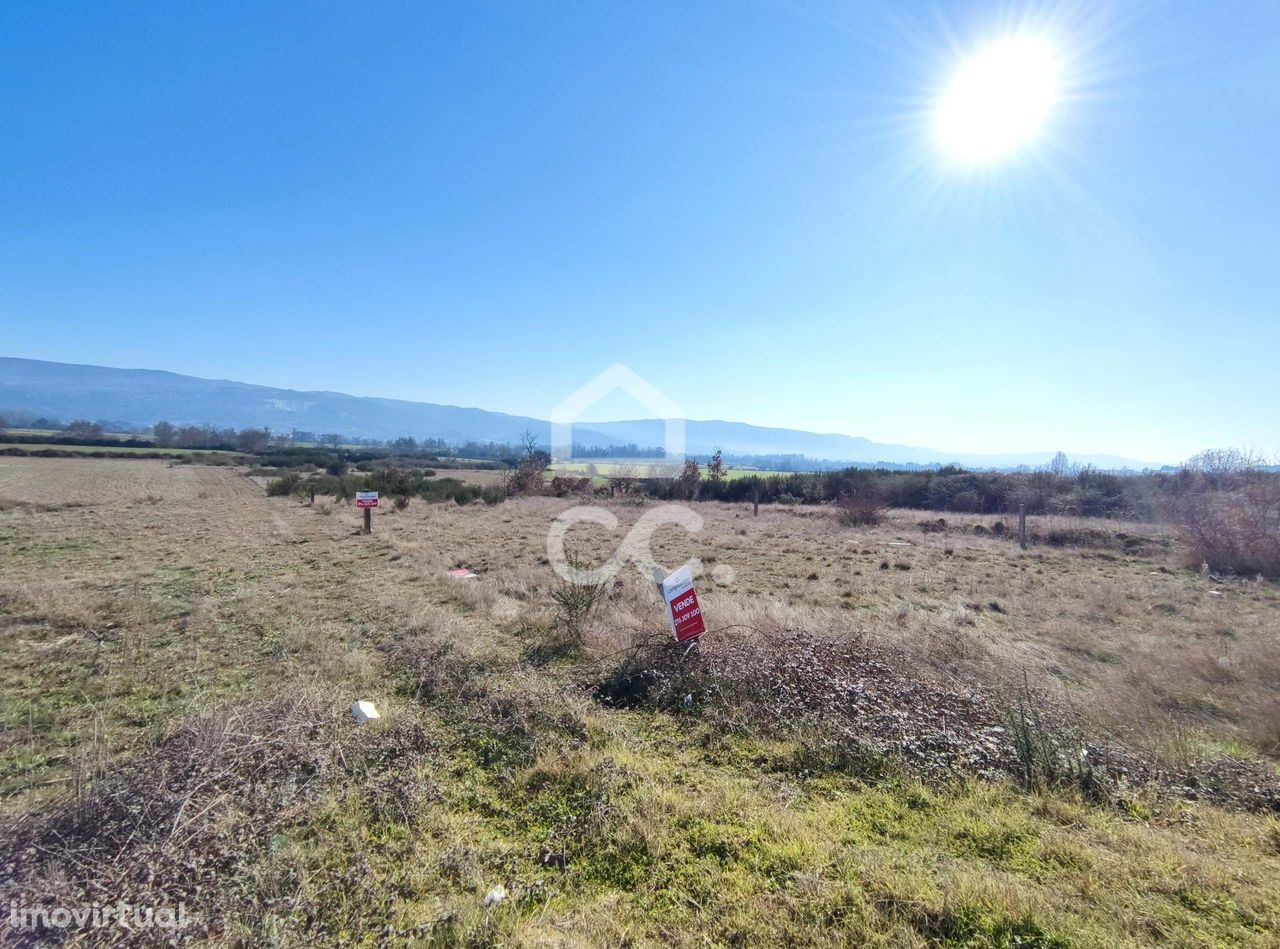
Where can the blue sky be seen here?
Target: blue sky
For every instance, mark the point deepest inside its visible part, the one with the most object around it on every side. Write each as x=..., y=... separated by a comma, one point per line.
x=487, y=203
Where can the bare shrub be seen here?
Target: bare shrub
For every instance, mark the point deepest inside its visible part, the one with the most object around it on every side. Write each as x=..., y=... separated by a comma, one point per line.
x=564, y=485
x=624, y=479
x=1230, y=520
x=527, y=478
x=863, y=508
x=397, y=482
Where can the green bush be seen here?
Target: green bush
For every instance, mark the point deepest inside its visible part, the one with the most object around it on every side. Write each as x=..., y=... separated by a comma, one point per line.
x=284, y=486
x=392, y=483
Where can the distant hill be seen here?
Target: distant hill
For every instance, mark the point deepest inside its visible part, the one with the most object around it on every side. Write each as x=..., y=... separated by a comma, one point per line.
x=145, y=396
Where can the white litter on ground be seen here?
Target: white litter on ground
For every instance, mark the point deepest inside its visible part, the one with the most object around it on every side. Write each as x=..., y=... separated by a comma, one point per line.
x=460, y=574
x=496, y=895
x=364, y=712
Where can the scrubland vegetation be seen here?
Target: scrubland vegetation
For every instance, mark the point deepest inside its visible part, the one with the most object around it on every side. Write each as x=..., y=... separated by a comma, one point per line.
x=901, y=729
x=399, y=485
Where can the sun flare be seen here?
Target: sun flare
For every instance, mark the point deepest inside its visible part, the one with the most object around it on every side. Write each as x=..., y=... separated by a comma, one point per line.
x=998, y=100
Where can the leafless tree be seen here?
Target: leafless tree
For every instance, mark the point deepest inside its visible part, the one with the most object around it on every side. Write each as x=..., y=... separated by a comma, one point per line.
x=1224, y=461
x=624, y=478
x=527, y=477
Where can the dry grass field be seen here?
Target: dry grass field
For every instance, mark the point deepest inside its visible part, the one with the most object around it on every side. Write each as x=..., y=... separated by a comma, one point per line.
x=181, y=651
x=55, y=482
x=480, y=476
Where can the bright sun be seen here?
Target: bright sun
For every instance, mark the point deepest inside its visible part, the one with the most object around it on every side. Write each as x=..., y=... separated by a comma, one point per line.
x=997, y=100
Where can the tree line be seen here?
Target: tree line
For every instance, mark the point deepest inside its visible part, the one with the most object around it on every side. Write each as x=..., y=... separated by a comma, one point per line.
x=1085, y=492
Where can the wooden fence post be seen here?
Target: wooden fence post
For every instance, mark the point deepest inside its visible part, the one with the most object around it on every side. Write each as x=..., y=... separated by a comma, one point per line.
x=1022, y=526
x=368, y=520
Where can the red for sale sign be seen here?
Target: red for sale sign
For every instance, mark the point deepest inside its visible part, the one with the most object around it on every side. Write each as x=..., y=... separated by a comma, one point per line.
x=682, y=605
x=366, y=499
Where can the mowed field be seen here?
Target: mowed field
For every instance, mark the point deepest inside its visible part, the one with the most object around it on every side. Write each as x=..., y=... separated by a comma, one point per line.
x=118, y=451
x=60, y=481
x=181, y=652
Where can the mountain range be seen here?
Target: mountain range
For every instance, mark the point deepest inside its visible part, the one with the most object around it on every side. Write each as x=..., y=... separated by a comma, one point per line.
x=144, y=396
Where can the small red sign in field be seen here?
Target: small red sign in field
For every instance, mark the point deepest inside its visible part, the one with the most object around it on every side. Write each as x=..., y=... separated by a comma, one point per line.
x=366, y=499
x=682, y=606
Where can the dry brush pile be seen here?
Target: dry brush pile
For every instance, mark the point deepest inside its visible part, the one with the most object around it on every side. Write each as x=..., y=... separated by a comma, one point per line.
x=193, y=821
x=870, y=708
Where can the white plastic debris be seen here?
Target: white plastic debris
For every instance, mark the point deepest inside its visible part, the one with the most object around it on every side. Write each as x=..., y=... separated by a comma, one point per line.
x=364, y=712
x=495, y=896
x=1215, y=593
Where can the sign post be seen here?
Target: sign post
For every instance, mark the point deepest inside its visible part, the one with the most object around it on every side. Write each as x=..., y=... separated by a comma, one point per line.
x=683, y=611
x=367, y=501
